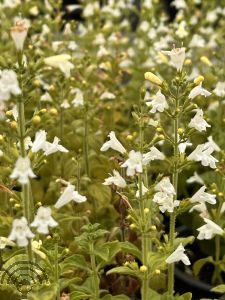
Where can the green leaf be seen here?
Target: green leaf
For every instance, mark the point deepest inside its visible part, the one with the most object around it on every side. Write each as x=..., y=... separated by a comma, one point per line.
x=102, y=252
x=131, y=249
x=79, y=296
x=184, y=206
x=117, y=297
x=9, y=292
x=124, y=270
x=219, y=289
x=200, y=263
x=156, y=260
x=47, y=292
x=76, y=261
x=186, y=296
x=100, y=192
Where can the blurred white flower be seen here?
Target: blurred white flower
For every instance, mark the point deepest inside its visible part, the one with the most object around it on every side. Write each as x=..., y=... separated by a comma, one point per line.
x=153, y=154
x=113, y=143
x=195, y=178
x=144, y=191
x=165, y=186
x=8, y=84
x=11, y=3
x=179, y=4
x=165, y=201
x=209, y=230
x=178, y=255
x=222, y=208
x=43, y=220
x=133, y=163
x=15, y=112
x=21, y=232
x=220, y=89
x=36, y=248
x=90, y=9
x=212, y=144
x=182, y=146
x=181, y=32
x=46, y=97
x=79, y=97
x=50, y=148
x=5, y=242
x=65, y=104
x=116, y=179
x=19, y=33
x=159, y=103
x=198, y=121
x=177, y=56
x=39, y=141
x=198, y=90
x=68, y=195
x=107, y=96
x=22, y=170
x=197, y=41
x=202, y=196
x=61, y=61
x=203, y=154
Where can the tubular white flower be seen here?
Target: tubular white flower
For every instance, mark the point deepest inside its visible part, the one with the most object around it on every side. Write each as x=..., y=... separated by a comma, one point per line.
x=43, y=220
x=177, y=56
x=133, y=163
x=144, y=191
x=116, y=179
x=8, y=84
x=203, y=154
x=39, y=142
x=198, y=122
x=107, y=96
x=21, y=232
x=195, y=178
x=220, y=89
x=50, y=148
x=212, y=144
x=68, y=195
x=61, y=61
x=113, y=143
x=19, y=34
x=209, y=230
x=202, y=196
x=178, y=255
x=159, y=103
x=182, y=146
x=153, y=154
x=198, y=90
x=165, y=201
x=79, y=97
x=5, y=242
x=165, y=186
x=22, y=170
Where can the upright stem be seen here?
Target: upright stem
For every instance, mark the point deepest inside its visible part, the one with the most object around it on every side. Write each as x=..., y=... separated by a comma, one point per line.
x=57, y=270
x=87, y=171
x=173, y=215
x=94, y=272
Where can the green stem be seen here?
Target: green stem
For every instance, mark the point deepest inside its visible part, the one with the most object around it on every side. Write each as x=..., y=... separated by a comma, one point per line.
x=173, y=214
x=57, y=270
x=87, y=171
x=94, y=272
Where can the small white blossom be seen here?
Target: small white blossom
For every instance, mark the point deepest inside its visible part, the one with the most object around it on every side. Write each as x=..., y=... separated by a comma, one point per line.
x=165, y=186
x=198, y=90
x=153, y=154
x=195, y=178
x=21, y=232
x=202, y=196
x=15, y=112
x=212, y=144
x=179, y=4
x=159, y=103
x=39, y=141
x=178, y=255
x=209, y=230
x=198, y=122
x=144, y=191
x=19, y=33
x=220, y=89
x=61, y=61
x=113, y=143
x=177, y=56
x=43, y=220
x=107, y=96
x=181, y=32
x=182, y=146
x=5, y=242
x=68, y=195
x=133, y=163
x=65, y=104
x=79, y=97
x=203, y=154
x=165, y=201
x=22, y=170
x=8, y=84
x=50, y=148
x=36, y=248
x=116, y=179
x=46, y=97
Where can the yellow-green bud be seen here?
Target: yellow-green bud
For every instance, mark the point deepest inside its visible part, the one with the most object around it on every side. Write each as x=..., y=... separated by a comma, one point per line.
x=133, y=226
x=146, y=210
x=130, y=137
x=180, y=131
x=36, y=83
x=187, y=62
x=206, y=61
x=17, y=205
x=159, y=129
x=43, y=110
x=1, y=138
x=157, y=271
x=8, y=113
x=36, y=120
x=153, y=228
x=13, y=125
x=198, y=79
x=143, y=269
x=53, y=111
x=153, y=78
x=162, y=137
x=220, y=194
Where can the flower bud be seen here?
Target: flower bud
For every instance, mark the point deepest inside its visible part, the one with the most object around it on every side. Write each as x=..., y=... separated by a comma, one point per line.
x=8, y=113
x=19, y=33
x=143, y=269
x=130, y=137
x=220, y=194
x=153, y=228
x=153, y=78
x=36, y=83
x=157, y=271
x=180, y=131
x=1, y=138
x=133, y=226
x=36, y=120
x=198, y=79
x=187, y=62
x=206, y=61
x=13, y=125
x=146, y=210
x=53, y=111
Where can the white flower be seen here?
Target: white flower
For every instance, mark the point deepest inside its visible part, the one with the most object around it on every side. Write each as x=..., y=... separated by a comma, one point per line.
x=212, y=144
x=182, y=146
x=60, y=61
x=79, y=97
x=179, y=4
x=133, y=163
x=19, y=33
x=202, y=196
x=165, y=201
x=46, y=97
x=15, y=112
x=181, y=32
x=144, y=191
x=195, y=178
x=50, y=148
x=165, y=186
x=198, y=122
x=198, y=90
x=107, y=96
x=178, y=255
x=113, y=143
x=203, y=154
x=209, y=230
x=8, y=84
x=177, y=56
x=202, y=209
x=5, y=242
x=65, y=104
x=197, y=41
x=90, y=9
x=116, y=179
x=21, y=232
x=159, y=103
x=43, y=220
x=22, y=170
x=39, y=142
x=68, y=195
x=220, y=89
x=36, y=248
x=153, y=154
